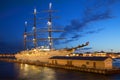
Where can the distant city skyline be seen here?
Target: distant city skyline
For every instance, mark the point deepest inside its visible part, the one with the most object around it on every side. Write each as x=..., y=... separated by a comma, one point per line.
x=96, y=21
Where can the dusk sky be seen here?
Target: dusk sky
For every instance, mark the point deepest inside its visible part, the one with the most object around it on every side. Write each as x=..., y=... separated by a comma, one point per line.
x=96, y=21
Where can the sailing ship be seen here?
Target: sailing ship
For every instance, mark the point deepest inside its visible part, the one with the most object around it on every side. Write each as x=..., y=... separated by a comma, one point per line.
x=40, y=52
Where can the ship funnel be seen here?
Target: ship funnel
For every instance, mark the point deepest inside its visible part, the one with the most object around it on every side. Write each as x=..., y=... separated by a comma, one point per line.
x=50, y=5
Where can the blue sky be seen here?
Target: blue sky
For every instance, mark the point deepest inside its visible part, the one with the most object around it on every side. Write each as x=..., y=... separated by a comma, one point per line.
x=96, y=21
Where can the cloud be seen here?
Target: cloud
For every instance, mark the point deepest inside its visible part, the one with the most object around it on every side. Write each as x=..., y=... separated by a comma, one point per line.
x=94, y=31
x=75, y=25
x=77, y=36
x=79, y=28
x=67, y=41
x=87, y=48
x=84, y=49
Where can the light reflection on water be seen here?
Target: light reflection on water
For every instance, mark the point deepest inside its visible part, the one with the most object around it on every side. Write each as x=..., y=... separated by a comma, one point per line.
x=31, y=72
x=16, y=71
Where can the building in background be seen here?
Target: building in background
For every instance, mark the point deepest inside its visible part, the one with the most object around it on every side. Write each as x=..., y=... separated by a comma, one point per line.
x=85, y=62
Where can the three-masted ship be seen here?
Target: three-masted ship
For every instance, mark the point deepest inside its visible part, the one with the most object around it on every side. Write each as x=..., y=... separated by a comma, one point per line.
x=45, y=50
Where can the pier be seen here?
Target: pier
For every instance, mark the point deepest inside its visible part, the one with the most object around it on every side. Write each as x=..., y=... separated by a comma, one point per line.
x=91, y=70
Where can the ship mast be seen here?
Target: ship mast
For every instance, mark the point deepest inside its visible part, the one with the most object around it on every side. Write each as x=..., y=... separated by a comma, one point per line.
x=50, y=27
x=34, y=29
x=25, y=36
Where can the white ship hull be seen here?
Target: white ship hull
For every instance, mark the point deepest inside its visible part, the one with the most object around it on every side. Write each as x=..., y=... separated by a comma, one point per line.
x=37, y=55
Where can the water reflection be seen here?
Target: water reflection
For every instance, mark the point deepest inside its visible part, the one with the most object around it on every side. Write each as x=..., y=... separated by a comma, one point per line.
x=75, y=75
x=31, y=72
x=15, y=71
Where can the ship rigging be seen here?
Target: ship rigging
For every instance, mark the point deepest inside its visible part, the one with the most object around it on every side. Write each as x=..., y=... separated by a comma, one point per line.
x=35, y=32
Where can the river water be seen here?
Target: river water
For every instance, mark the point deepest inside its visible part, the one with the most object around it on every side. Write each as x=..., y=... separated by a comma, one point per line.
x=17, y=71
